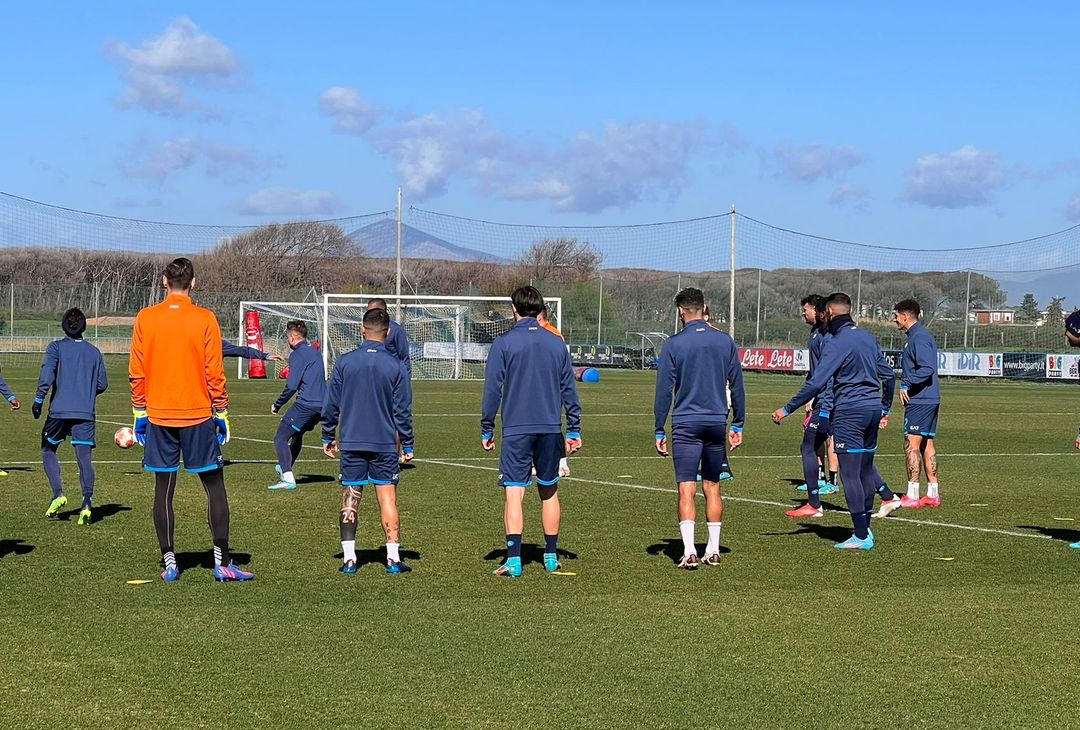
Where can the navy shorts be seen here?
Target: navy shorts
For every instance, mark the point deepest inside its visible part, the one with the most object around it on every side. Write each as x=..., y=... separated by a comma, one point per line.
x=521, y=452
x=198, y=445
x=360, y=468
x=301, y=418
x=817, y=424
x=699, y=449
x=855, y=431
x=921, y=419
x=57, y=430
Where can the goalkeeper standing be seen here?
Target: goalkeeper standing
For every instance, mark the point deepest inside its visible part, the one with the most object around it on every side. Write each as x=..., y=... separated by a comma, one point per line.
x=180, y=405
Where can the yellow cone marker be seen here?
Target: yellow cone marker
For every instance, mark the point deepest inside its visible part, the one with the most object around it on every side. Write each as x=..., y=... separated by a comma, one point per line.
x=562, y=572
x=946, y=560
x=138, y=582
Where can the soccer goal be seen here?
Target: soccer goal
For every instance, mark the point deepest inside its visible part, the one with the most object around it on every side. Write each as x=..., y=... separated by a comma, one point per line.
x=449, y=336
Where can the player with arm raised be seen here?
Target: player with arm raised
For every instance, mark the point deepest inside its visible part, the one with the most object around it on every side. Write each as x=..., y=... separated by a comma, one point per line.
x=181, y=409
x=74, y=371
x=920, y=392
x=368, y=410
x=696, y=367
x=307, y=381
x=228, y=349
x=529, y=374
x=862, y=383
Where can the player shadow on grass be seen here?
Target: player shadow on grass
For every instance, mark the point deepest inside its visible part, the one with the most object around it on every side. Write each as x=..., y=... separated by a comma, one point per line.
x=205, y=559
x=14, y=547
x=673, y=549
x=314, y=479
x=530, y=553
x=16, y=468
x=99, y=513
x=1058, y=533
x=377, y=556
x=832, y=533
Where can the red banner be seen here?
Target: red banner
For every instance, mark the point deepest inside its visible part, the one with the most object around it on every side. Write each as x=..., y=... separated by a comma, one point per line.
x=253, y=334
x=767, y=358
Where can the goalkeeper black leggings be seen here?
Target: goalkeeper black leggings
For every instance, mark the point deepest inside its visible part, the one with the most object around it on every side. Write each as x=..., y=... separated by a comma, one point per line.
x=217, y=512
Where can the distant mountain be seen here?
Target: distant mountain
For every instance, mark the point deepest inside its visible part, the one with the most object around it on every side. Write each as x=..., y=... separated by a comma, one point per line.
x=1043, y=286
x=379, y=240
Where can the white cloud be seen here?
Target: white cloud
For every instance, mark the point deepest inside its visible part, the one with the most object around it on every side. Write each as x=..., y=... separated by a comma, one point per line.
x=960, y=179
x=812, y=162
x=156, y=162
x=1072, y=210
x=288, y=201
x=849, y=194
x=431, y=149
x=626, y=164
x=159, y=72
x=352, y=114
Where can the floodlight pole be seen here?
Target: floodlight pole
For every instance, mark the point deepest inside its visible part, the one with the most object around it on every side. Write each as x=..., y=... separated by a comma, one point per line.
x=757, y=333
x=397, y=288
x=731, y=295
x=600, y=309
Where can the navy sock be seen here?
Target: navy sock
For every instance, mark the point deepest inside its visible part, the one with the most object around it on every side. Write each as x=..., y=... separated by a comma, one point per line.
x=850, y=468
x=832, y=477
x=86, y=472
x=886, y=493
x=861, y=521
x=813, y=495
x=551, y=543
x=513, y=546
x=52, y=469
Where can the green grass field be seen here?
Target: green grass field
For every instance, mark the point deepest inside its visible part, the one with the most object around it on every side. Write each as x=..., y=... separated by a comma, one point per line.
x=788, y=632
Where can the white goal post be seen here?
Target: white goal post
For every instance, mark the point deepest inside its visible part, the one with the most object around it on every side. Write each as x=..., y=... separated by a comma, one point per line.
x=449, y=336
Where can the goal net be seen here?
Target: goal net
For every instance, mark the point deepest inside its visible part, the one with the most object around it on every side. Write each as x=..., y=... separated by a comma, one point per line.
x=449, y=337
x=273, y=316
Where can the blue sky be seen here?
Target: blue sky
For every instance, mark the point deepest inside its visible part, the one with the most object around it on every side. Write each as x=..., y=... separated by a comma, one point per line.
x=929, y=125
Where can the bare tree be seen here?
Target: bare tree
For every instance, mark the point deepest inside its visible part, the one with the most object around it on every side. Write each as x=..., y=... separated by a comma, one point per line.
x=561, y=260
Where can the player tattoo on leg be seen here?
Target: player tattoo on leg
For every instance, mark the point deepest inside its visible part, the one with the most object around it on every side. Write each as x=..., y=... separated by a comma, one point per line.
x=350, y=502
x=392, y=530
x=911, y=454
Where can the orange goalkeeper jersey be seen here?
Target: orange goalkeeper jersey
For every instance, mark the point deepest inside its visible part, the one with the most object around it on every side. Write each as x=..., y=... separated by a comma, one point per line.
x=552, y=329
x=175, y=366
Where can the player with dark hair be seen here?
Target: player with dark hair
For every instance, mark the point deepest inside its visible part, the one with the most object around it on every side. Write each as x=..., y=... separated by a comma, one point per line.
x=181, y=408
x=307, y=381
x=368, y=411
x=862, y=382
x=74, y=371
x=697, y=366
x=815, y=442
x=397, y=342
x=920, y=391
x=529, y=373
x=545, y=322
x=1072, y=336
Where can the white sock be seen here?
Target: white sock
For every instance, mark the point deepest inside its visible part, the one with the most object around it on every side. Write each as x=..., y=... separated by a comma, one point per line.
x=686, y=527
x=170, y=560
x=287, y=476
x=563, y=463
x=714, y=537
x=392, y=553
x=217, y=555
x=931, y=489
x=913, y=490
x=349, y=548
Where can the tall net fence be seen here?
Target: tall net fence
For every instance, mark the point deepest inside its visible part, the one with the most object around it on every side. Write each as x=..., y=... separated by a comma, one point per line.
x=617, y=283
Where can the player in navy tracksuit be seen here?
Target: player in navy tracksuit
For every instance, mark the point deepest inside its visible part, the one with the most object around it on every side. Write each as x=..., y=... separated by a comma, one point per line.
x=307, y=380
x=852, y=361
x=368, y=411
x=697, y=366
x=529, y=372
x=815, y=442
x=920, y=391
x=74, y=371
x=9, y=396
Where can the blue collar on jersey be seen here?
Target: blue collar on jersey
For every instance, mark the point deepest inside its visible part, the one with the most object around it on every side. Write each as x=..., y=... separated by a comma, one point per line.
x=369, y=344
x=527, y=322
x=839, y=322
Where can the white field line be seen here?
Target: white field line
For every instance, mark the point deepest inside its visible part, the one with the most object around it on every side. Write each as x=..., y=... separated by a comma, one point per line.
x=669, y=490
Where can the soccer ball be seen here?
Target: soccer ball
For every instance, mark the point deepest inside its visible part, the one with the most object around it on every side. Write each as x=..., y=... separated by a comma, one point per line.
x=124, y=437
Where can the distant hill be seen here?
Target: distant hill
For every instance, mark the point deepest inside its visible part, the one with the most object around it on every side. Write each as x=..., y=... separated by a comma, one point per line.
x=379, y=240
